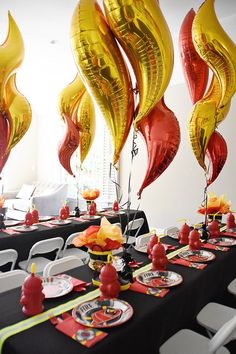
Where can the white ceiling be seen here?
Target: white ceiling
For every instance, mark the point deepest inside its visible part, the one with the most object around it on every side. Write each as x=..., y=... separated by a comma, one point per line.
x=47, y=22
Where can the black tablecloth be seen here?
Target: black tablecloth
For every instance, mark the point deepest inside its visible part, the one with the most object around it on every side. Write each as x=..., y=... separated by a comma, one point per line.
x=22, y=242
x=154, y=319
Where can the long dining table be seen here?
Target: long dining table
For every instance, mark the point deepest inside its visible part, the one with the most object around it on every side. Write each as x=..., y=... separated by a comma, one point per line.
x=22, y=242
x=154, y=318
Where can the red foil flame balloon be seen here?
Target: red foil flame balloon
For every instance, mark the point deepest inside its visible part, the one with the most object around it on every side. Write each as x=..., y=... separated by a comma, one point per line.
x=69, y=144
x=4, y=136
x=194, y=68
x=217, y=154
x=161, y=133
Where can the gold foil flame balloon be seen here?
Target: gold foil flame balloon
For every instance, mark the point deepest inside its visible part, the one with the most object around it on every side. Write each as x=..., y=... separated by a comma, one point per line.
x=200, y=127
x=161, y=132
x=216, y=48
x=70, y=97
x=214, y=93
x=18, y=112
x=11, y=55
x=85, y=120
x=194, y=68
x=68, y=144
x=141, y=29
x=103, y=70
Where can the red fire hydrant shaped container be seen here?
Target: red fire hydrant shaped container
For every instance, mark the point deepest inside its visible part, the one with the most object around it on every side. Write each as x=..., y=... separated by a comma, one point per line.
x=214, y=229
x=35, y=216
x=31, y=295
x=159, y=259
x=230, y=221
x=115, y=206
x=194, y=240
x=184, y=234
x=110, y=285
x=28, y=219
x=152, y=241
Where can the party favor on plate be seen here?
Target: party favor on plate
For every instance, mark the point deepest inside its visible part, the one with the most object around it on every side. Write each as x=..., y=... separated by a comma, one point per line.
x=197, y=255
x=159, y=279
x=56, y=287
x=222, y=241
x=103, y=313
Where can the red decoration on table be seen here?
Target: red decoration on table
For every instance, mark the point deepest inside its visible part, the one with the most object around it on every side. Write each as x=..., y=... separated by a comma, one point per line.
x=230, y=221
x=214, y=229
x=63, y=214
x=92, y=209
x=152, y=241
x=110, y=285
x=35, y=216
x=184, y=234
x=28, y=219
x=159, y=259
x=194, y=240
x=32, y=296
x=115, y=206
x=67, y=210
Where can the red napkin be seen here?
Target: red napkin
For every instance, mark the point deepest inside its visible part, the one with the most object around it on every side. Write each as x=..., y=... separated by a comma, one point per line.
x=169, y=247
x=140, y=288
x=185, y=263
x=80, y=219
x=135, y=264
x=48, y=224
x=215, y=247
x=84, y=335
x=10, y=231
x=232, y=234
x=79, y=285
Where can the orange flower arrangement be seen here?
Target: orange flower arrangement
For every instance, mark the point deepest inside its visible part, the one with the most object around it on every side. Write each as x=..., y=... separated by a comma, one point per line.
x=216, y=205
x=2, y=200
x=91, y=194
x=105, y=237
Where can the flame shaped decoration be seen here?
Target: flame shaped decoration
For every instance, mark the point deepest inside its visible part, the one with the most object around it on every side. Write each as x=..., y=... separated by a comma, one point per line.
x=103, y=70
x=217, y=155
x=194, y=68
x=142, y=31
x=77, y=110
x=215, y=47
x=161, y=132
x=15, y=111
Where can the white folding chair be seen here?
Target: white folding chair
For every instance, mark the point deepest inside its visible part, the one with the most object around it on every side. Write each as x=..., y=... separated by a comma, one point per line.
x=61, y=265
x=12, y=279
x=8, y=256
x=41, y=247
x=135, y=224
x=232, y=287
x=189, y=342
x=213, y=316
x=73, y=251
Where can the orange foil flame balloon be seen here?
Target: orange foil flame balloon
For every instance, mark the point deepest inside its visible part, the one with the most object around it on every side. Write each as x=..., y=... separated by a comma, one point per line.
x=217, y=155
x=161, y=133
x=4, y=133
x=217, y=49
x=142, y=31
x=194, y=68
x=11, y=55
x=18, y=112
x=68, y=145
x=103, y=70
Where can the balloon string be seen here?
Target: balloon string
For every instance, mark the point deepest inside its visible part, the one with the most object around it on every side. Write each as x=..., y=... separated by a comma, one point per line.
x=117, y=187
x=206, y=199
x=134, y=153
x=77, y=169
